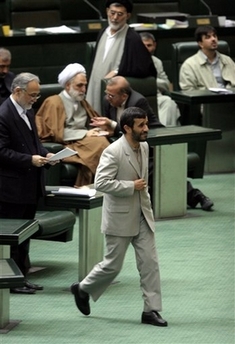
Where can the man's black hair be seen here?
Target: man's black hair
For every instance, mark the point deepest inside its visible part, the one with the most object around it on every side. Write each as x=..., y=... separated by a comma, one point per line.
x=128, y=117
x=203, y=30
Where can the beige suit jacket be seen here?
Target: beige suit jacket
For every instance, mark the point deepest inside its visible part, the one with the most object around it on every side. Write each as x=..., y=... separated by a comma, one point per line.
x=196, y=74
x=122, y=205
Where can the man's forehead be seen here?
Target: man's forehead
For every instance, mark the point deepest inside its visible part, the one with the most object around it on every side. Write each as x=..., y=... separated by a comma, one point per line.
x=138, y=121
x=117, y=8
x=4, y=59
x=33, y=85
x=80, y=77
x=114, y=88
x=210, y=33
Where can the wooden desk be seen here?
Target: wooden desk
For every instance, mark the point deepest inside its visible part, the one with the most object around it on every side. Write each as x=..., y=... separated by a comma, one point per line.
x=170, y=166
x=90, y=238
x=12, y=232
x=218, y=112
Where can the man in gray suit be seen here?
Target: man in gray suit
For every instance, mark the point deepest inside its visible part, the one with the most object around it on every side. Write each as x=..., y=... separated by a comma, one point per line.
x=127, y=218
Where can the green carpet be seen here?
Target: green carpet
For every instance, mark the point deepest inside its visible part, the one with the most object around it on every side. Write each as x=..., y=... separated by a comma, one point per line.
x=196, y=256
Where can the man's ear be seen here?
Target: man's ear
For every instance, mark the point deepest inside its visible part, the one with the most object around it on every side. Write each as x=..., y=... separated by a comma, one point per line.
x=17, y=89
x=127, y=128
x=128, y=16
x=199, y=44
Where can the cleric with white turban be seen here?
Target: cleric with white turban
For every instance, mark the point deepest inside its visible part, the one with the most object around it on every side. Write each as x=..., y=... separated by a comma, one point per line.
x=69, y=72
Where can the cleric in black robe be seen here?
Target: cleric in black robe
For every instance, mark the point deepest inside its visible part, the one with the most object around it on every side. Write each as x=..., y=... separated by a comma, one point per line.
x=119, y=51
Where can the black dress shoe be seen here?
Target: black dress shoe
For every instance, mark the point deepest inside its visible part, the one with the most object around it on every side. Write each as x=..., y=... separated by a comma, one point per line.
x=22, y=290
x=81, y=302
x=33, y=286
x=195, y=196
x=153, y=318
x=206, y=203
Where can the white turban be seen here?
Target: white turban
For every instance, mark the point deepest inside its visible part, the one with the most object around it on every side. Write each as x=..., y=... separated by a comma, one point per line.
x=69, y=72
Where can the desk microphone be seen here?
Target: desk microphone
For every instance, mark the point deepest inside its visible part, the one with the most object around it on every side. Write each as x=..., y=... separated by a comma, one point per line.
x=94, y=8
x=205, y=4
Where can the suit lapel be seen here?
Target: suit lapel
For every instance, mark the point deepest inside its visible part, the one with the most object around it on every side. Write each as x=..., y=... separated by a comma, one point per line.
x=131, y=156
x=22, y=127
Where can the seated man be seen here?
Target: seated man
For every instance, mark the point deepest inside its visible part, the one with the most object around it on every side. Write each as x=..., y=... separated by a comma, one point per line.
x=168, y=110
x=207, y=68
x=65, y=118
x=119, y=96
x=6, y=77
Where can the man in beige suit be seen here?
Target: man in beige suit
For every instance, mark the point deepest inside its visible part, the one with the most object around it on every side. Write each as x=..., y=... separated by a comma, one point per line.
x=127, y=218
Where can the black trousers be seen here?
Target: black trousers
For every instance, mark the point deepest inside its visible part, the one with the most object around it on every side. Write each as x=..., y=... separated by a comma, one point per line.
x=19, y=253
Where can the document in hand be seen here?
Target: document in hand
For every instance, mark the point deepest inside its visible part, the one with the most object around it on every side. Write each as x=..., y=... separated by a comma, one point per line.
x=70, y=191
x=64, y=153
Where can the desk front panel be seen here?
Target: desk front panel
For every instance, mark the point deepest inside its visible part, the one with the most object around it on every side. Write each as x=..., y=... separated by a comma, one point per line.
x=57, y=50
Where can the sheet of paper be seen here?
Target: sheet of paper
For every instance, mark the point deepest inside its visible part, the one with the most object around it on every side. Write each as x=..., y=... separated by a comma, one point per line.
x=64, y=153
x=220, y=90
x=70, y=191
x=103, y=133
x=56, y=29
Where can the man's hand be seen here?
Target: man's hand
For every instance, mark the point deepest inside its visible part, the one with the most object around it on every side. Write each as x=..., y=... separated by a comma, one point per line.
x=110, y=74
x=140, y=184
x=39, y=161
x=49, y=155
x=101, y=122
x=93, y=132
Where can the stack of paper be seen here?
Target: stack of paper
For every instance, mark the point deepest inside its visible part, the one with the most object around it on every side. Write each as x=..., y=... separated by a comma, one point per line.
x=56, y=29
x=220, y=90
x=70, y=191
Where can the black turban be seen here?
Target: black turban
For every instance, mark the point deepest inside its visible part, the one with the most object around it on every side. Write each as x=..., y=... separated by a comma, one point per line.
x=126, y=3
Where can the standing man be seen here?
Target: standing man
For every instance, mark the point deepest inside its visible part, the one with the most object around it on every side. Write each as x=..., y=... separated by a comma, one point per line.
x=65, y=118
x=119, y=96
x=122, y=175
x=207, y=68
x=22, y=158
x=168, y=110
x=6, y=77
x=119, y=51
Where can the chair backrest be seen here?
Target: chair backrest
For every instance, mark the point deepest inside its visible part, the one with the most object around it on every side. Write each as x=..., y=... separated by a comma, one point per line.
x=182, y=50
x=89, y=52
x=46, y=90
x=148, y=88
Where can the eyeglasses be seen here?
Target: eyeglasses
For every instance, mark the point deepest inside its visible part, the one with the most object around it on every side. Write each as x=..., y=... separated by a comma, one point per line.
x=149, y=45
x=119, y=14
x=111, y=96
x=33, y=95
x=4, y=66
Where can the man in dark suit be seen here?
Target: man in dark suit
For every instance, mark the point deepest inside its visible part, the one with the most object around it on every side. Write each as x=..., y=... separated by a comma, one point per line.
x=119, y=96
x=22, y=158
x=6, y=77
